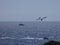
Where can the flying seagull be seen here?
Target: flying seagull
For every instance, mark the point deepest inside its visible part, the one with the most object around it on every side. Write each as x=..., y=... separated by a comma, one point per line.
x=41, y=19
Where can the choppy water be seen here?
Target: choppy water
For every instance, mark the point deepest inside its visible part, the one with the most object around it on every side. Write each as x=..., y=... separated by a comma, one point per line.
x=11, y=33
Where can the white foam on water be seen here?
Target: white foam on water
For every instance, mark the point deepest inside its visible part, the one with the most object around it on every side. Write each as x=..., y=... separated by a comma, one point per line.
x=6, y=38
x=32, y=38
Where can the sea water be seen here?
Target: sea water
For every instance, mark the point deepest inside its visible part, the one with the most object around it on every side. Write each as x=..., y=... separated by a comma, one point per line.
x=31, y=33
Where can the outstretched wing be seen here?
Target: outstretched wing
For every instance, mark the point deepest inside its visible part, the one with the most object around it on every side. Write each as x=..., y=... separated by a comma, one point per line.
x=43, y=18
x=39, y=18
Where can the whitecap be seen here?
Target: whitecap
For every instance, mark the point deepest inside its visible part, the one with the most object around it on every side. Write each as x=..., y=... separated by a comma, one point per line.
x=6, y=38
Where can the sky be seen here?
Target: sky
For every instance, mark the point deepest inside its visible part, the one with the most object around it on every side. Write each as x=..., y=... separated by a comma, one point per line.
x=29, y=10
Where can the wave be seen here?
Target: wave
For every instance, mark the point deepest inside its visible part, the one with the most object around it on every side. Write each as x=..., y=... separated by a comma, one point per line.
x=28, y=38
x=33, y=38
x=7, y=38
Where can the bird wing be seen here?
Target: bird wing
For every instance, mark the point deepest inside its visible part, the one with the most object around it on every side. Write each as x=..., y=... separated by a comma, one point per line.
x=39, y=18
x=43, y=17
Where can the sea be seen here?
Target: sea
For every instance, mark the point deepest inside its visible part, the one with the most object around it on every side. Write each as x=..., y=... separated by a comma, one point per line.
x=30, y=33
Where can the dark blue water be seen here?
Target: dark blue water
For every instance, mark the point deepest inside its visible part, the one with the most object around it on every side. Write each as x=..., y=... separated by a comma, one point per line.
x=11, y=33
